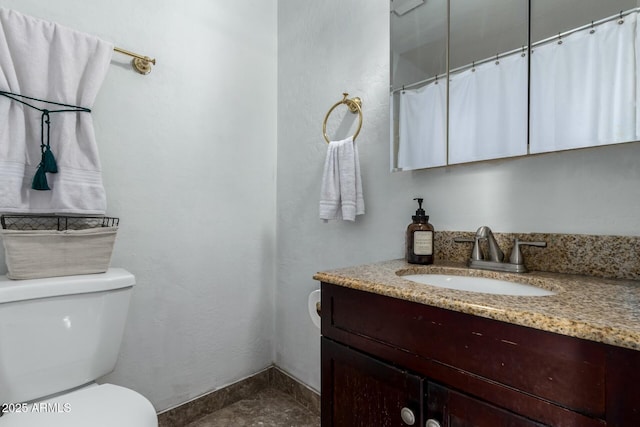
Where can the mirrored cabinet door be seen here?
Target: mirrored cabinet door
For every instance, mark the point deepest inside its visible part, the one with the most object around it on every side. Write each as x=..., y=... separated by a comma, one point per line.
x=418, y=84
x=575, y=85
x=584, y=68
x=488, y=79
x=482, y=47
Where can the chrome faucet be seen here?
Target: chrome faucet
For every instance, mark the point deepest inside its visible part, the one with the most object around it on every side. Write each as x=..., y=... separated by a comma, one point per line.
x=495, y=255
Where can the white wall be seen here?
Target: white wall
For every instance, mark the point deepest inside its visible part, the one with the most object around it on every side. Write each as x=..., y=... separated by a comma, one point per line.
x=332, y=46
x=188, y=155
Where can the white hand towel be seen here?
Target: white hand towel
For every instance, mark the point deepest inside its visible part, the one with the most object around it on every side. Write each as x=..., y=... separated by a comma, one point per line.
x=47, y=61
x=341, y=190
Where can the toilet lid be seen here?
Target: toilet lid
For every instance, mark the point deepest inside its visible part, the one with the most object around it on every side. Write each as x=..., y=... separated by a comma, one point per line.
x=105, y=405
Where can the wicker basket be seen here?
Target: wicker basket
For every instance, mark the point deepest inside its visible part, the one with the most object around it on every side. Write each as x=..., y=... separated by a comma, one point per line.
x=35, y=253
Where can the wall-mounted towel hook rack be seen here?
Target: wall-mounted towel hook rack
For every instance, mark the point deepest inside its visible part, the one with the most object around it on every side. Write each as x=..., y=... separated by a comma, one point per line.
x=142, y=64
x=354, y=105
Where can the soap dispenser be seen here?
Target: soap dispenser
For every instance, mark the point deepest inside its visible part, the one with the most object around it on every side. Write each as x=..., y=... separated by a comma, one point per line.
x=419, y=238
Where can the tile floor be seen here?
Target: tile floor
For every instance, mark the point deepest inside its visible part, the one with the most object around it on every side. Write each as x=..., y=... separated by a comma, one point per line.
x=267, y=408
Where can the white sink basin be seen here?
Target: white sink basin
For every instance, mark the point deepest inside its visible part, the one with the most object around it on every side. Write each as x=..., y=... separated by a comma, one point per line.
x=478, y=284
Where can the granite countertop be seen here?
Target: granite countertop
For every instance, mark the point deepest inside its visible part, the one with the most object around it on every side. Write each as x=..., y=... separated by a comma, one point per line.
x=592, y=308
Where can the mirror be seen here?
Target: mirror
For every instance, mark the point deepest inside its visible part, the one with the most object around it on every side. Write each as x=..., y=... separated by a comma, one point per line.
x=583, y=74
x=418, y=83
x=488, y=62
x=583, y=89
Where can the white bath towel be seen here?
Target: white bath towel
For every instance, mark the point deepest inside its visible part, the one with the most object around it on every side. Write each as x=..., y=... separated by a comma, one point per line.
x=47, y=61
x=341, y=191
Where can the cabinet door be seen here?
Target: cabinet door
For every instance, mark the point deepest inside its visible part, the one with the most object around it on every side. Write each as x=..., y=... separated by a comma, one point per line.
x=360, y=391
x=452, y=409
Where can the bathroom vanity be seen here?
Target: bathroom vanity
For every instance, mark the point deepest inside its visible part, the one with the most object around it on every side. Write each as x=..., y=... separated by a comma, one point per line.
x=397, y=353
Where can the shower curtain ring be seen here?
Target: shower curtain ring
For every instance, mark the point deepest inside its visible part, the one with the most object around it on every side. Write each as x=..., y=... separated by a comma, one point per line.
x=593, y=30
x=497, y=62
x=621, y=21
x=559, y=38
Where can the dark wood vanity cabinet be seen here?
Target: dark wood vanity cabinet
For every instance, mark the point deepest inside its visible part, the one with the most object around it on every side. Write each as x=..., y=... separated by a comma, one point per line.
x=454, y=409
x=367, y=392
x=383, y=358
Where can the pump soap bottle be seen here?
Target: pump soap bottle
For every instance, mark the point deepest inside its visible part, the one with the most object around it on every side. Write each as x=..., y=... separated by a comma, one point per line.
x=419, y=238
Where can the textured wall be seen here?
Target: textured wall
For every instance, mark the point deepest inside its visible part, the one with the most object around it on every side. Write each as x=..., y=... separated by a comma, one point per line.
x=188, y=155
x=328, y=47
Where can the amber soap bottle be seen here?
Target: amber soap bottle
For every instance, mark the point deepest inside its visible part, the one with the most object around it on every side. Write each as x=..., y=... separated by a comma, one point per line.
x=419, y=238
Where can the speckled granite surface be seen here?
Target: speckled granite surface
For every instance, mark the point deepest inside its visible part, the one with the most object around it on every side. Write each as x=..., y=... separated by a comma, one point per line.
x=615, y=257
x=593, y=308
x=267, y=408
x=252, y=401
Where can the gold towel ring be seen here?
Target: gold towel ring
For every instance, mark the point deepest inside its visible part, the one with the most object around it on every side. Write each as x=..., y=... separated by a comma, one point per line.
x=355, y=106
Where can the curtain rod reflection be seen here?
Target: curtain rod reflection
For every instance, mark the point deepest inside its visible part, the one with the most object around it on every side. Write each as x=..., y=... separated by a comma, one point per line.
x=621, y=15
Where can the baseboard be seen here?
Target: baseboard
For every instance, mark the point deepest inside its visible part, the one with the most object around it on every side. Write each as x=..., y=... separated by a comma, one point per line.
x=302, y=394
x=271, y=377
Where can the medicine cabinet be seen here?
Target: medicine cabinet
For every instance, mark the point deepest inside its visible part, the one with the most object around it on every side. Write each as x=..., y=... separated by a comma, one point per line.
x=466, y=87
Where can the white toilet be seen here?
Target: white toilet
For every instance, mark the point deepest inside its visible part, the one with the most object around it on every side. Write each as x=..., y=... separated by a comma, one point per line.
x=57, y=336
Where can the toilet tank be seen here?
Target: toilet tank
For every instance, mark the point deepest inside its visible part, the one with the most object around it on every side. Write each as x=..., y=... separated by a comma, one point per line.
x=59, y=333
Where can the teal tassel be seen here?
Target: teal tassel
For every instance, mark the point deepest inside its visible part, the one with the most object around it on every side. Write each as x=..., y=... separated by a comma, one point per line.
x=49, y=161
x=40, y=179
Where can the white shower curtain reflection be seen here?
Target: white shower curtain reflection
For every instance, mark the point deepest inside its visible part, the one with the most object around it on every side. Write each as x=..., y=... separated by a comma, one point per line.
x=488, y=111
x=583, y=90
x=422, y=123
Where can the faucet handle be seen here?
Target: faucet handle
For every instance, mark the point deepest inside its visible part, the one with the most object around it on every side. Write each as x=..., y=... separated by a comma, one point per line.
x=476, y=253
x=516, y=254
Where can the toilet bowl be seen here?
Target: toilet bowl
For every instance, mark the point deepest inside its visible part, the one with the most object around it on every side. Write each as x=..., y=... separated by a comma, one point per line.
x=58, y=336
x=104, y=405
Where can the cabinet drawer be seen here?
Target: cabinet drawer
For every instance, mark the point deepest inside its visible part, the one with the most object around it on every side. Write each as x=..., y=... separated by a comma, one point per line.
x=458, y=410
x=567, y=371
